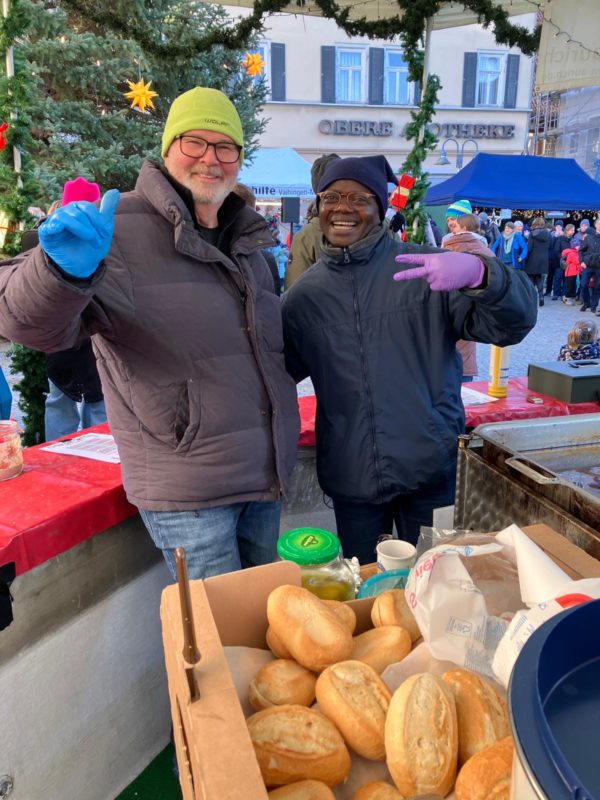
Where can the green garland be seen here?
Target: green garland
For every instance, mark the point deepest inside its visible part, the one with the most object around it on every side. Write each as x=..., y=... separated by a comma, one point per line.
x=409, y=27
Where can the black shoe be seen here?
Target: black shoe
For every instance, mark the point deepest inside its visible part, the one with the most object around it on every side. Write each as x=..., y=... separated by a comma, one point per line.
x=541, y=301
x=554, y=299
x=584, y=307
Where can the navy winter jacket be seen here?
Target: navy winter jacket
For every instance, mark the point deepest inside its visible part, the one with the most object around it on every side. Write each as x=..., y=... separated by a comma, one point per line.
x=383, y=361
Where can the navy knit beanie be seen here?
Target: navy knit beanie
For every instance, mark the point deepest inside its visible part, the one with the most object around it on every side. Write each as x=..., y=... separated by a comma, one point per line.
x=373, y=172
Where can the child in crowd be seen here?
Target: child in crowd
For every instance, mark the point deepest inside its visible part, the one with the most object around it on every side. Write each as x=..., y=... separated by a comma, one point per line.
x=582, y=343
x=467, y=239
x=570, y=258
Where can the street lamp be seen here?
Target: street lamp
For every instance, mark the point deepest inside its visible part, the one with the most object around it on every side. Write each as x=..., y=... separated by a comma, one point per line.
x=443, y=160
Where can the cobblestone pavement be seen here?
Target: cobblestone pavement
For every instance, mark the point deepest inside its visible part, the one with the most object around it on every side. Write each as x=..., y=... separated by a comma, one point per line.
x=555, y=319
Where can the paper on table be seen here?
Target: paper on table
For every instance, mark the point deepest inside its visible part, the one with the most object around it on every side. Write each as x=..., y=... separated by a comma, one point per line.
x=471, y=397
x=98, y=446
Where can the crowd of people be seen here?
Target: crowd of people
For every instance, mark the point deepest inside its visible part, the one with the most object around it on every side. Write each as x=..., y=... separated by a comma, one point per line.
x=176, y=284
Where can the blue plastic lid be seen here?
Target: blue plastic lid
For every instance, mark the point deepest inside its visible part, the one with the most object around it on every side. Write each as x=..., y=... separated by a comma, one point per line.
x=383, y=582
x=554, y=702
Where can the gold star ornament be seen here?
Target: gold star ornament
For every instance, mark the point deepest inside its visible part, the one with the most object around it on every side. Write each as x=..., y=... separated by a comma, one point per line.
x=140, y=95
x=253, y=63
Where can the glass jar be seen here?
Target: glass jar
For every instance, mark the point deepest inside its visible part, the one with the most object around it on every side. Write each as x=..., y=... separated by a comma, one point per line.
x=318, y=553
x=11, y=454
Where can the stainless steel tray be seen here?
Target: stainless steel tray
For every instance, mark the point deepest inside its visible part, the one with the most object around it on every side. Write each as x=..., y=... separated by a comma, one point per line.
x=555, y=451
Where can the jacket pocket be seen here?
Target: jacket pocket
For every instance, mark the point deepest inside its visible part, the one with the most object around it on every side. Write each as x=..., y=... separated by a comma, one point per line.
x=187, y=416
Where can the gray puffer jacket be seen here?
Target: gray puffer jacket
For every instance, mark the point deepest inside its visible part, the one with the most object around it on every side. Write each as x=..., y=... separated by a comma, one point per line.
x=189, y=348
x=382, y=358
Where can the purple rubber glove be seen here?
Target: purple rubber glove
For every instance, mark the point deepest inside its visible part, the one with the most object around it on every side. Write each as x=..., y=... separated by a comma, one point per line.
x=444, y=272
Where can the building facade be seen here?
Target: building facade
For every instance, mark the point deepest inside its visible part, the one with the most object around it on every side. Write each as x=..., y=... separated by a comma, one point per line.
x=352, y=96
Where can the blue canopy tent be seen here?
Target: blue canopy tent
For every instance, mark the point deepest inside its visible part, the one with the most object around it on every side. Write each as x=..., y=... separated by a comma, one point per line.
x=277, y=172
x=526, y=182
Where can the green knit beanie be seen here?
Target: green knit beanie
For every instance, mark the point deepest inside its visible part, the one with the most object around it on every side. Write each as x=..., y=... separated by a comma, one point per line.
x=459, y=208
x=202, y=109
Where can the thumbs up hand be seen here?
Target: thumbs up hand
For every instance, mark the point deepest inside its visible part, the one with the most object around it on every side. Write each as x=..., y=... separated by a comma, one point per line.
x=77, y=236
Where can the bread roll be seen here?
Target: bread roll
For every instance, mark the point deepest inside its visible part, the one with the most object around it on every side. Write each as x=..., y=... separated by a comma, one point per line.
x=344, y=612
x=378, y=790
x=275, y=645
x=303, y=790
x=356, y=700
x=391, y=608
x=487, y=775
x=282, y=682
x=294, y=743
x=313, y=634
x=380, y=647
x=481, y=712
x=421, y=736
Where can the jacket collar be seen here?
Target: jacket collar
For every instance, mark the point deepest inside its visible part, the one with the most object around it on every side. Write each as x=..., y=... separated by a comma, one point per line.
x=242, y=230
x=358, y=253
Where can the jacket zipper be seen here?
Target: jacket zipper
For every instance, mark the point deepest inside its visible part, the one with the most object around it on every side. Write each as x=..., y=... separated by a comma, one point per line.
x=252, y=332
x=366, y=382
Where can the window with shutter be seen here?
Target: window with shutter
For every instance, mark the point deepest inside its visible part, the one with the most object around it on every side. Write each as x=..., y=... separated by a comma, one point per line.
x=350, y=75
x=469, y=80
x=512, y=80
x=376, y=58
x=277, y=71
x=398, y=90
x=327, y=74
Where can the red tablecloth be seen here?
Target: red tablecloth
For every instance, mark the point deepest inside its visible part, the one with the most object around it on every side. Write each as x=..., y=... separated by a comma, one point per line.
x=514, y=406
x=57, y=502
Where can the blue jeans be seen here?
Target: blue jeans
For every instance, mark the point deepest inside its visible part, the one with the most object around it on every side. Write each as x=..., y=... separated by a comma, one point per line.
x=63, y=416
x=359, y=525
x=217, y=540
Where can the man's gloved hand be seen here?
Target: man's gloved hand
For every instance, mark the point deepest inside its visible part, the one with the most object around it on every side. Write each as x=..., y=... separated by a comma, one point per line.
x=444, y=272
x=77, y=236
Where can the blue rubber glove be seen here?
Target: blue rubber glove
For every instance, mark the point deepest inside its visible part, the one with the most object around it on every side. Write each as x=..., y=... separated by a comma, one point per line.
x=77, y=236
x=444, y=272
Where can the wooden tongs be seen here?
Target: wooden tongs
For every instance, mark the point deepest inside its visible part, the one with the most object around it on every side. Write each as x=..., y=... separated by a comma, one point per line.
x=191, y=654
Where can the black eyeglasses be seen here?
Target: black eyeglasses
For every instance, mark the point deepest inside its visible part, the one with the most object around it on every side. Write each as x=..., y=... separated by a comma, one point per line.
x=195, y=147
x=354, y=200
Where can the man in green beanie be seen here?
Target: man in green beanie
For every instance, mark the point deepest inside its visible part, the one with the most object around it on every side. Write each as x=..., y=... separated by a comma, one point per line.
x=171, y=283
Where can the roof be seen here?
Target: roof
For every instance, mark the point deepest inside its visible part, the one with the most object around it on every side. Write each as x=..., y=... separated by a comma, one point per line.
x=277, y=172
x=531, y=182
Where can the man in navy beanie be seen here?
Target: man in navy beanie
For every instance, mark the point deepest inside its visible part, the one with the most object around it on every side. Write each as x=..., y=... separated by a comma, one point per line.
x=382, y=355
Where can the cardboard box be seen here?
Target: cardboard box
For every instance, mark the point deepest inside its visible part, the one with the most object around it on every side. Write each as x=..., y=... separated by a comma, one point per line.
x=214, y=752
x=566, y=380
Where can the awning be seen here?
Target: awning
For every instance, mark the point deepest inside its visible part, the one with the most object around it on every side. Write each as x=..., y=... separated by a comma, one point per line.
x=450, y=15
x=277, y=172
x=530, y=182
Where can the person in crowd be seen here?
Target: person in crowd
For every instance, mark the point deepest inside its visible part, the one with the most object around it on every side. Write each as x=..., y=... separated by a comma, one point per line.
x=467, y=239
x=248, y=196
x=538, y=249
x=488, y=228
x=556, y=231
x=584, y=226
x=74, y=399
x=435, y=230
x=455, y=210
x=306, y=244
x=510, y=247
x=589, y=258
x=571, y=271
x=560, y=243
x=375, y=324
x=582, y=343
x=171, y=283
x=520, y=228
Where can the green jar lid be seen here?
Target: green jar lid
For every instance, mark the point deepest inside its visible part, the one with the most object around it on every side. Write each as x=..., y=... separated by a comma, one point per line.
x=308, y=546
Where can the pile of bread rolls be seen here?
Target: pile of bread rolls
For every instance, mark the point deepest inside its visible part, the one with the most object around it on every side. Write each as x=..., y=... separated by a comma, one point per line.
x=435, y=733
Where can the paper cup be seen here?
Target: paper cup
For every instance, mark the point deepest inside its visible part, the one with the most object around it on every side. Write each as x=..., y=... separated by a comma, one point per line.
x=395, y=554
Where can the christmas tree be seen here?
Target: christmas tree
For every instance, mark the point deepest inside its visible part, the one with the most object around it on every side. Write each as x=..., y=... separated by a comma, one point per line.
x=71, y=74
